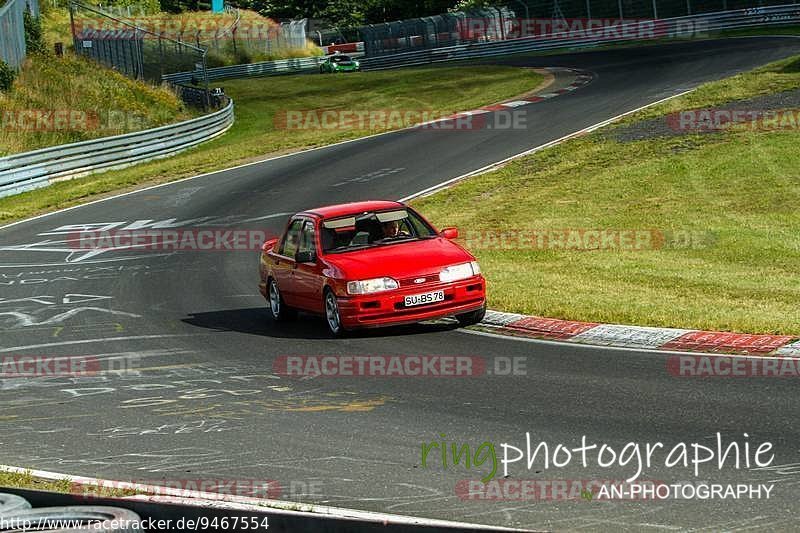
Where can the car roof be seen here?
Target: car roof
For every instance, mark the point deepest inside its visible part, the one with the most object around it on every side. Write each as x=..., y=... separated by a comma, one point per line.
x=353, y=208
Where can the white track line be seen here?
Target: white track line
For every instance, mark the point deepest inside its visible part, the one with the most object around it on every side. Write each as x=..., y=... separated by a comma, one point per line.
x=263, y=505
x=555, y=142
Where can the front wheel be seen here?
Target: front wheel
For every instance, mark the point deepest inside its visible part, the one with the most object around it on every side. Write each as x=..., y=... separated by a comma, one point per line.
x=471, y=318
x=332, y=315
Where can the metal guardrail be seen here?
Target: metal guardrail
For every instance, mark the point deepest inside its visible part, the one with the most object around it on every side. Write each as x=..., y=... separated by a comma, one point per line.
x=678, y=27
x=31, y=170
x=265, y=68
x=669, y=28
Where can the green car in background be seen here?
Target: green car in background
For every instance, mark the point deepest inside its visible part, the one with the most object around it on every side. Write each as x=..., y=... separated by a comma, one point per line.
x=339, y=63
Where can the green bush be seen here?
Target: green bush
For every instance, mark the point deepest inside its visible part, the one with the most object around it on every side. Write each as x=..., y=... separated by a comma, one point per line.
x=7, y=76
x=34, y=42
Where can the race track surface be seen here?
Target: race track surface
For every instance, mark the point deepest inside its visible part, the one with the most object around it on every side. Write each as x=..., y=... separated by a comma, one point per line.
x=204, y=402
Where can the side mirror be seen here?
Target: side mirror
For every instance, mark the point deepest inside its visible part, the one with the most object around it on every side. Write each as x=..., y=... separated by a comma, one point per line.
x=305, y=257
x=449, y=233
x=268, y=245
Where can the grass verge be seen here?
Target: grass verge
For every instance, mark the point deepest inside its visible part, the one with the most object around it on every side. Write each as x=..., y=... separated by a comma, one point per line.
x=59, y=100
x=726, y=204
x=255, y=136
x=26, y=480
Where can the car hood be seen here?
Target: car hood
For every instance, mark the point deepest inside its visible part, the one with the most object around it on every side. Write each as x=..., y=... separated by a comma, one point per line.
x=399, y=260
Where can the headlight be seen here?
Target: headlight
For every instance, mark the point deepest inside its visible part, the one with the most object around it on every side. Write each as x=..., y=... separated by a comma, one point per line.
x=357, y=64
x=462, y=271
x=368, y=286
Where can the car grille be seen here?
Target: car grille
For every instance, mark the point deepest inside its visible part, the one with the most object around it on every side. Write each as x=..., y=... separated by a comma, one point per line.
x=430, y=279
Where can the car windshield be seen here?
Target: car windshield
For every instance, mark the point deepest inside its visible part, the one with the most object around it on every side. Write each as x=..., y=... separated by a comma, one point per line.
x=341, y=59
x=366, y=230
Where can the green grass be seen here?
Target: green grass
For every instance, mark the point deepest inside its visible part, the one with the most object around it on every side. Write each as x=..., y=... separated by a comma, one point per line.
x=26, y=480
x=737, y=190
x=113, y=103
x=254, y=135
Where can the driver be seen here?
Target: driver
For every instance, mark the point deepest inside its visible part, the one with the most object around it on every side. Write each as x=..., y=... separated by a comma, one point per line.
x=392, y=230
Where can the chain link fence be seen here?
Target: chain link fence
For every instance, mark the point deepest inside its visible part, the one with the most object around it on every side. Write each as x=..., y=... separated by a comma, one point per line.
x=12, y=30
x=134, y=51
x=138, y=52
x=530, y=19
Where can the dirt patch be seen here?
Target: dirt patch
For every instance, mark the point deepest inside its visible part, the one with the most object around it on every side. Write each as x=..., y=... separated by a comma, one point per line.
x=671, y=126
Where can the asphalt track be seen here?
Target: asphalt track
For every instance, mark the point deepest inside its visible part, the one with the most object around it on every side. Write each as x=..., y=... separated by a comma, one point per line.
x=204, y=402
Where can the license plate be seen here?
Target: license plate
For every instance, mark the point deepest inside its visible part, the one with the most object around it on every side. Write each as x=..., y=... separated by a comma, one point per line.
x=424, y=298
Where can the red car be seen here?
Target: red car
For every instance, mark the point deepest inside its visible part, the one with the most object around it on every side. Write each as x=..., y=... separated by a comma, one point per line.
x=369, y=264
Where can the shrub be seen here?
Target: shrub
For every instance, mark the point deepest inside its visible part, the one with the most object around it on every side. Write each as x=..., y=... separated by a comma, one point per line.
x=7, y=76
x=34, y=42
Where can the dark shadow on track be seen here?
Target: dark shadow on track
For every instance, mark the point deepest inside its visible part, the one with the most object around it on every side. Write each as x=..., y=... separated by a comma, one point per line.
x=256, y=321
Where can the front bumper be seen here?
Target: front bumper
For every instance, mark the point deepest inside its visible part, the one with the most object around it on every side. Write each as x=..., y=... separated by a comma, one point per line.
x=388, y=309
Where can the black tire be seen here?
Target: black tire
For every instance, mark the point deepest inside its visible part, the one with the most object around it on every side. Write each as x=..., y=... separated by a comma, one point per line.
x=333, y=318
x=471, y=318
x=10, y=503
x=278, y=309
x=94, y=518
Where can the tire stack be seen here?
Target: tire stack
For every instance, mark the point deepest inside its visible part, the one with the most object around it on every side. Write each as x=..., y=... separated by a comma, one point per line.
x=16, y=513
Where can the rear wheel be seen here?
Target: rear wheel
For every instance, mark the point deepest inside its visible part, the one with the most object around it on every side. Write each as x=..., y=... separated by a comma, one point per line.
x=332, y=315
x=277, y=307
x=471, y=318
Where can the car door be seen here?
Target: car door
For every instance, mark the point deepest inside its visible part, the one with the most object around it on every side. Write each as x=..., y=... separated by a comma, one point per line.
x=283, y=262
x=307, y=276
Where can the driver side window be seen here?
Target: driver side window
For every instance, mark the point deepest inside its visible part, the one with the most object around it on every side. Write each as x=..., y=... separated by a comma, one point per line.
x=307, y=243
x=292, y=239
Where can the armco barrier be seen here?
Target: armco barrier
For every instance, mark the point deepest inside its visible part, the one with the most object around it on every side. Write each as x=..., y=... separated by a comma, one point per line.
x=265, y=68
x=30, y=170
x=673, y=28
x=670, y=28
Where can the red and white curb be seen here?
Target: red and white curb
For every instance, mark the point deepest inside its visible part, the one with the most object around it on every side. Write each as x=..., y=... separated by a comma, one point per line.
x=582, y=78
x=641, y=337
x=213, y=500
